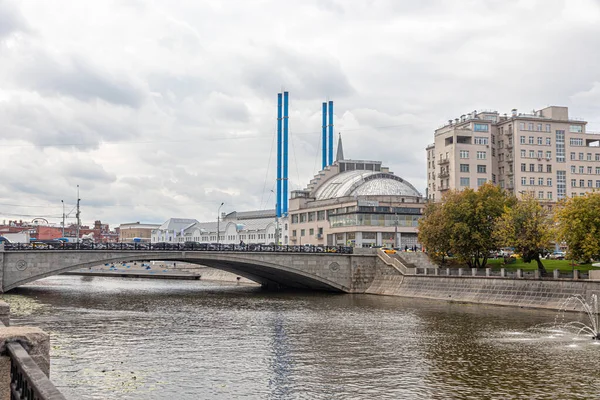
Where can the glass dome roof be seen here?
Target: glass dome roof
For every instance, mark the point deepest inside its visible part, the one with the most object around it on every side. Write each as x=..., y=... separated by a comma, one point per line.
x=365, y=183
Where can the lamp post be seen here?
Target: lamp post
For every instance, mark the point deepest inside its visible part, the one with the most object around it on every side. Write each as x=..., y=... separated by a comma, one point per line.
x=396, y=230
x=276, y=223
x=218, y=222
x=63, y=224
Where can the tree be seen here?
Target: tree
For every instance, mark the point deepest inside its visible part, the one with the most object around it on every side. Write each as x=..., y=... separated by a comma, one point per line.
x=578, y=222
x=527, y=227
x=433, y=232
x=464, y=223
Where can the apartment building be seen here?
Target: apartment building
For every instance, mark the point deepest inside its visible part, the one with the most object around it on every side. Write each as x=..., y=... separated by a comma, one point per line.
x=544, y=153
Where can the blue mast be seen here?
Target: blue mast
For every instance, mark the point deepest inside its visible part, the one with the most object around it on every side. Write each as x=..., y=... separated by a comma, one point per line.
x=278, y=203
x=285, y=153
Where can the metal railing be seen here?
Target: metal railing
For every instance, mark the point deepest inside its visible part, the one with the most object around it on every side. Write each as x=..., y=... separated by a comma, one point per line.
x=190, y=246
x=27, y=380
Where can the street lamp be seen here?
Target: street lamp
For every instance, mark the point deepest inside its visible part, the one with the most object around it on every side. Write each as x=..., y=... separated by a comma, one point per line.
x=218, y=222
x=63, y=224
x=276, y=223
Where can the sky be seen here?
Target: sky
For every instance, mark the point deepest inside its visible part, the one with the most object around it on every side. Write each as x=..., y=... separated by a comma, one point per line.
x=160, y=109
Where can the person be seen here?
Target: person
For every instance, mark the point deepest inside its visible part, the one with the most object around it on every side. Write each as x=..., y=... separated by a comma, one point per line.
x=242, y=243
x=405, y=247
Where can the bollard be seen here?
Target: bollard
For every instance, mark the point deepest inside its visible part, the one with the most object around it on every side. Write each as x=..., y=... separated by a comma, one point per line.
x=473, y=271
x=503, y=272
x=575, y=274
x=447, y=271
x=425, y=271
x=488, y=272
x=536, y=274
x=460, y=272
x=519, y=273
x=556, y=273
x=437, y=271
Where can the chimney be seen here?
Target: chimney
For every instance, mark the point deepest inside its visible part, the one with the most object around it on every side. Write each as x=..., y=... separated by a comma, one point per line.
x=513, y=112
x=330, y=132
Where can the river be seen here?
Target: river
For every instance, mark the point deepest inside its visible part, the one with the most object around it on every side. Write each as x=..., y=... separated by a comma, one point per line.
x=161, y=339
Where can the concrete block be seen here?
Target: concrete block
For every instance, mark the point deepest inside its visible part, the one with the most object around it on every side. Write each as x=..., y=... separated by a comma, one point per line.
x=519, y=273
x=555, y=274
x=473, y=271
x=575, y=274
x=503, y=272
x=594, y=275
x=460, y=272
x=536, y=274
x=448, y=271
x=35, y=341
x=488, y=272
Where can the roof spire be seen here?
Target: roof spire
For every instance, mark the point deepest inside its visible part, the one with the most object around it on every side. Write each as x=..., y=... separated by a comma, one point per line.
x=339, y=156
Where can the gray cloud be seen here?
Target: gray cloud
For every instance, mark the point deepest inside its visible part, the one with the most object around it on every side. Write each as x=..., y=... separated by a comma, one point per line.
x=11, y=19
x=78, y=78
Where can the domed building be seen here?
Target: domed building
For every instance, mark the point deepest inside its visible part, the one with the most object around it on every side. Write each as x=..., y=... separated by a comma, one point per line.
x=358, y=203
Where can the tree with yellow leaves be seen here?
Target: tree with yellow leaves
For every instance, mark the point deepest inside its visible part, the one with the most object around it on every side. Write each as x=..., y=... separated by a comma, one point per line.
x=578, y=220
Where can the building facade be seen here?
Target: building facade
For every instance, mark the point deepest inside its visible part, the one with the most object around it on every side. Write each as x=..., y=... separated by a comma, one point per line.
x=355, y=203
x=546, y=154
x=136, y=230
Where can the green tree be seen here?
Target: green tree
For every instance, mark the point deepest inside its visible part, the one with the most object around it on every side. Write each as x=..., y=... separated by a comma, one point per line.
x=578, y=221
x=433, y=232
x=527, y=227
x=464, y=223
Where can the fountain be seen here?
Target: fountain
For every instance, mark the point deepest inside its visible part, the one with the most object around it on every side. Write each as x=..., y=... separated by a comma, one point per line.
x=578, y=303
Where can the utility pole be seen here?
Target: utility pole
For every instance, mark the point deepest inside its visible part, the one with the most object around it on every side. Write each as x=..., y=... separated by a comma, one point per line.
x=396, y=230
x=63, y=224
x=218, y=222
x=78, y=213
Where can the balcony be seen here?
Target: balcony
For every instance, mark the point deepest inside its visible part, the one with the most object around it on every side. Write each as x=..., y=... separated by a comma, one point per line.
x=443, y=175
x=443, y=189
x=443, y=161
x=509, y=146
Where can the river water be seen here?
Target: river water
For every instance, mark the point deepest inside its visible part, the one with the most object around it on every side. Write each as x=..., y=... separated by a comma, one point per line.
x=160, y=339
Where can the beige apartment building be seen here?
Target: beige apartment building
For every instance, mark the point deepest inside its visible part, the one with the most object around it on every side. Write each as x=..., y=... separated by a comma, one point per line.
x=544, y=153
x=135, y=230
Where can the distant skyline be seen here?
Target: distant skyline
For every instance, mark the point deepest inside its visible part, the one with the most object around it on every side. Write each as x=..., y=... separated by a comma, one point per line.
x=161, y=109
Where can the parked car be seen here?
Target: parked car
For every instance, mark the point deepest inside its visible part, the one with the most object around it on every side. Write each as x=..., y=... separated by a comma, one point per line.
x=557, y=255
x=387, y=250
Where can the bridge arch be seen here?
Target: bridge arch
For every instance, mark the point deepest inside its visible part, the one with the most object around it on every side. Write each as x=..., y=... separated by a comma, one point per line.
x=331, y=272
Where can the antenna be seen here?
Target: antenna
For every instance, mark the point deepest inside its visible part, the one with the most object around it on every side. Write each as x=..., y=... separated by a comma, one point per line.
x=78, y=213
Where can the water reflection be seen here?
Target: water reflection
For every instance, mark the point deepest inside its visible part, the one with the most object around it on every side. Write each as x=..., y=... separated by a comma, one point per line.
x=137, y=339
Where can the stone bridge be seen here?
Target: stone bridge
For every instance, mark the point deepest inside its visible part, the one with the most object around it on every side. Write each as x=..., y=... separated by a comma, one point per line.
x=348, y=273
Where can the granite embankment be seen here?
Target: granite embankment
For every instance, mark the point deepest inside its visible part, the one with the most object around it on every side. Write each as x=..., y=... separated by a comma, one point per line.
x=502, y=291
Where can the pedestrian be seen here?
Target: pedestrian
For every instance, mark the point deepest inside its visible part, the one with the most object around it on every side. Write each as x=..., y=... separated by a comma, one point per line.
x=406, y=248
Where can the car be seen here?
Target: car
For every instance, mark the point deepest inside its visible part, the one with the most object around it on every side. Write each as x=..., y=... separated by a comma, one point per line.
x=557, y=255
x=387, y=250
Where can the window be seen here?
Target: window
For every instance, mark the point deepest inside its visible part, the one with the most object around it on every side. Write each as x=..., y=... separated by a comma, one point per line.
x=531, y=139
x=523, y=181
x=573, y=182
x=481, y=181
x=549, y=182
x=573, y=169
x=523, y=153
x=548, y=155
x=597, y=170
x=530, y=126
x=597, y=157
x=576, y=141
x=531, y=167
x=548, y=128
x=548, y=141
x=493, y=139
x=464, y=154
x=540, y=195
x=311, y=216
x=531, y=153
x=589, y=157
x=548, y=168
x=302, y=232
x=522, y=139
x=481, y=155
x=590, y=183
x=560, y=153
x=311, y=231
x=481, y=140
x=464, y=167
x=532, y=181
x=522, y=126
x=464, y=181
x=294, y=218
x=494, y=178
x=589, y=170
x=561, y=184
x=294, y=233
x=302, y=217
x=540, y=167
x=523, y=167
x=572, y=156
x=539, y=127
x=481, y=127
x=598, y=184
x=582, y=183
x=321, y=215
x=481, y=169
x=576, y=128
x=540, y=154
x=580, y=156
x=540, y=140
x=540, y=181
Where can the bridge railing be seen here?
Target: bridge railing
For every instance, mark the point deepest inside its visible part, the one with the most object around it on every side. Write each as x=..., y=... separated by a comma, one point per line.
x=27, y=379
x=193, y=246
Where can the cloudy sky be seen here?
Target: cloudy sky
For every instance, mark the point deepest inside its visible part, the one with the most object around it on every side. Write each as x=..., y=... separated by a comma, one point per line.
x=161, y=109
